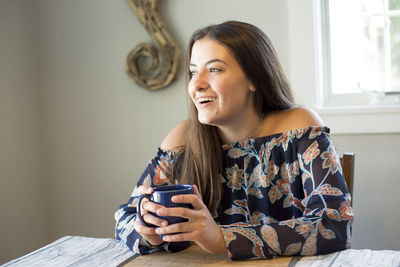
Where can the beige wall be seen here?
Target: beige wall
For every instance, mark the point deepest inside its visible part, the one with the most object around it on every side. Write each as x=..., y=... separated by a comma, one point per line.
x=76, y=132
x=376, y=183
x=23, y=210
x=100, y=127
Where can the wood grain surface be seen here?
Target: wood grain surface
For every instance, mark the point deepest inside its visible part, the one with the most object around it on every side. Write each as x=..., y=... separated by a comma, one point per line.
x=195, y=256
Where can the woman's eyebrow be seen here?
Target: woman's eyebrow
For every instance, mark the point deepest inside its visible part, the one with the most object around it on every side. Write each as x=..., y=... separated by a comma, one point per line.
x=209, y=62
x=215, y=60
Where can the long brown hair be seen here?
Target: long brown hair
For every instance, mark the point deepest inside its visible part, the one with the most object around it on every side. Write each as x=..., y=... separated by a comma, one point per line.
x=202, y=156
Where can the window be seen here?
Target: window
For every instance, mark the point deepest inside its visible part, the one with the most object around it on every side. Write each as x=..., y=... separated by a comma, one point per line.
x=358, y=52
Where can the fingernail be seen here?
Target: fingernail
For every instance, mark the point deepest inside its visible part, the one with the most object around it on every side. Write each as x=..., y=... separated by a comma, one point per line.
x=160, y=212
x=164, y=223
x=158, y=231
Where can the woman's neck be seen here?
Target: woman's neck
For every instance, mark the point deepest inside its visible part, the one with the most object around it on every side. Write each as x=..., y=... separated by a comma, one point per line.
x=242, y=129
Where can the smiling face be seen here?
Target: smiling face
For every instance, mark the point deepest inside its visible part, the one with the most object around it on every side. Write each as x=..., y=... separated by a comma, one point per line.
x=218, y=87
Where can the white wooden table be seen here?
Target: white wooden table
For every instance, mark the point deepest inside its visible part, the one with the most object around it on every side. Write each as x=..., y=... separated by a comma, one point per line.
x=86, y=251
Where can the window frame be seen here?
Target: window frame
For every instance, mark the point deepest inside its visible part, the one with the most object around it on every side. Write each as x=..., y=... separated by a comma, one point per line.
x=325, y=96
x=302, y=69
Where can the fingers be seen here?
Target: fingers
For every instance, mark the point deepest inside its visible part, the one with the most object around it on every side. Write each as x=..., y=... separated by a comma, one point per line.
x=147, y=208
x=197, y=192
x=142, y=229
x=148, y=233
x=153, y=220
x=176, y=212
x=150, y=206
x=176, y=232
x=145, y=190
x=177, y=237
x=193, y=199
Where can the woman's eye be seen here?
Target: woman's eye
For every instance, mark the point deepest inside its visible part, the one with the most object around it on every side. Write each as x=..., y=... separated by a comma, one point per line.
x=192, y=73
x=213, y=69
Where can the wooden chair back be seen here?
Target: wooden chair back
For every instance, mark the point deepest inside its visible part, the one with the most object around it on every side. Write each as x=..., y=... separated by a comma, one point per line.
x=347, y=162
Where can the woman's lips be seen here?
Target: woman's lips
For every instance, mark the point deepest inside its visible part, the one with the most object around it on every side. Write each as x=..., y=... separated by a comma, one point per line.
x=205, y=99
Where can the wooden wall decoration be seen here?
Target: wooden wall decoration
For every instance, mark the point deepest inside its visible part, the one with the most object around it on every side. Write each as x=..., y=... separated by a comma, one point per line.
x=152, y=67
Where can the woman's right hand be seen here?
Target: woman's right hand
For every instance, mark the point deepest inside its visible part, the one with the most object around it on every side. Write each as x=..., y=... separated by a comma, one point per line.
x=147, y=206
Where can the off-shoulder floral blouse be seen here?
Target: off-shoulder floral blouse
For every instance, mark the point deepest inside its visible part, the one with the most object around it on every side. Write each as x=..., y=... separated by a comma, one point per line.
x=283, y=194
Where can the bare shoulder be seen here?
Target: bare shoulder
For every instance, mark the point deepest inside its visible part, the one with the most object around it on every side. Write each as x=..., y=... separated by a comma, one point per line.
x=176, y=138
x=302, y=117
x=295, y=118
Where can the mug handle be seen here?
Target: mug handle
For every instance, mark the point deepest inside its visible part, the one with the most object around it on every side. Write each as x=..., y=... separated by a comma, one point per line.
x=139, y=207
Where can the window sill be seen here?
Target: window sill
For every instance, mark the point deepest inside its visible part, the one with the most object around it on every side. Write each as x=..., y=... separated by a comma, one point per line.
x=361, y=120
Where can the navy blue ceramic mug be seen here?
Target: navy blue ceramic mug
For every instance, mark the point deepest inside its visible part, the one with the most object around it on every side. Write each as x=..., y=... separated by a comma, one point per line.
x=162, y=195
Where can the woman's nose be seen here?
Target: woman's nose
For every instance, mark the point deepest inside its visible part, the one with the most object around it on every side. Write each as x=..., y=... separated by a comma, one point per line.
x=200, y=81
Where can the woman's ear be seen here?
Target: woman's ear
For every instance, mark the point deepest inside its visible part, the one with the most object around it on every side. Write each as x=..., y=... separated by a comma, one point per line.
x=252, y=88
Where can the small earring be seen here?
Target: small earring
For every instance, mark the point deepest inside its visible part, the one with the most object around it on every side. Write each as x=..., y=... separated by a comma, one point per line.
x=252, y=88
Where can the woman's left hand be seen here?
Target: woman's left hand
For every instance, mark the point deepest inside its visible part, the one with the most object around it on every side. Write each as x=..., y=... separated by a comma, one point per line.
x=201, y=227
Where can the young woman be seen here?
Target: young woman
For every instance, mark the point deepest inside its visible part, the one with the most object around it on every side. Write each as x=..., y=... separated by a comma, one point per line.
x=267, y=177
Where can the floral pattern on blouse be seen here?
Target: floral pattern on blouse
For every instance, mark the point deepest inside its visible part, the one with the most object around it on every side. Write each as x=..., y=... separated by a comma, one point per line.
x=283, y=194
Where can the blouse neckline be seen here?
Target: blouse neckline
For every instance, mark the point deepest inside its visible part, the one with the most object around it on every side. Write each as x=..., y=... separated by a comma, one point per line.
x=298, y=131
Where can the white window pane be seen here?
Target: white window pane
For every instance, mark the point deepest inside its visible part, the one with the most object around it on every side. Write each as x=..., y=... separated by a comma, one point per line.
x=394, y=4
x=371, y=6
x=395, y=51
x=357, y=46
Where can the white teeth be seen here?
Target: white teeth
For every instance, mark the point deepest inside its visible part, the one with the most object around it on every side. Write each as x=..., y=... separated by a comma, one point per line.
x=206, y=99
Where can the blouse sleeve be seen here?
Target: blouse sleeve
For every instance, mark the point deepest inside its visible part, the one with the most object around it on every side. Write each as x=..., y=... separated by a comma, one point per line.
x=326, y=220
x=158, y=172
